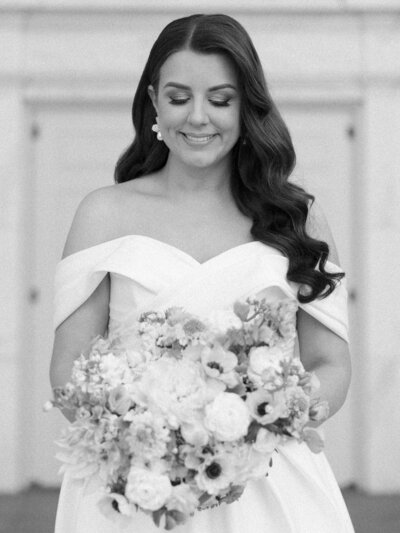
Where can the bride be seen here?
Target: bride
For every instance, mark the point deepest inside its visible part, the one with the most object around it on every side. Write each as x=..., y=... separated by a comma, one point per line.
x=202, y=213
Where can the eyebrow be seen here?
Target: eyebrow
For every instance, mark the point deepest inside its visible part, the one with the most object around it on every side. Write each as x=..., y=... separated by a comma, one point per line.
x=186, y=87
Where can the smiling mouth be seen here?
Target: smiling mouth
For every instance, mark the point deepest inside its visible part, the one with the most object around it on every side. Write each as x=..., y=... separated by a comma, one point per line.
x=202, y=139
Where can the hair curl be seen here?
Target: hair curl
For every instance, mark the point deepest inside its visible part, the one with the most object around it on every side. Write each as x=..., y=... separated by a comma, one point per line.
x=260, y=167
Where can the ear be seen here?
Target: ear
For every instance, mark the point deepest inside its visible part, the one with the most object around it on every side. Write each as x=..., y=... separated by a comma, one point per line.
x=152, y=93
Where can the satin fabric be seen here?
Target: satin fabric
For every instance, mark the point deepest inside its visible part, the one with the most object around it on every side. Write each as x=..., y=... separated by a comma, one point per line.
x=300, y=494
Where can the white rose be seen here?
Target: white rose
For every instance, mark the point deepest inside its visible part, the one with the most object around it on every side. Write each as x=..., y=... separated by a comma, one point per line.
x=263, y=359
x=176, y=387
x=227, y=417
x=147, y=489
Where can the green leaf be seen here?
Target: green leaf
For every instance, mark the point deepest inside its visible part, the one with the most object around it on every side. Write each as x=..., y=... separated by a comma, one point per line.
x=156, y=515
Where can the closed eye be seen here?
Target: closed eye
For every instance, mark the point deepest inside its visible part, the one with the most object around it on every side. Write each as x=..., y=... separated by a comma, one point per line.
x=217, y=103
x=220, y=103
x=179, y=101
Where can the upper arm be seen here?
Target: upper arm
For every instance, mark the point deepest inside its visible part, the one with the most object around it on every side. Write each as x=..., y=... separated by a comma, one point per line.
x=91, y=318
x=90, y=223
x=317, y=343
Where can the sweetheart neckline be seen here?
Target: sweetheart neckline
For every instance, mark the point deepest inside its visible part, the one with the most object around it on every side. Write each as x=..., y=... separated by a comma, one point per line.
x=177, y=250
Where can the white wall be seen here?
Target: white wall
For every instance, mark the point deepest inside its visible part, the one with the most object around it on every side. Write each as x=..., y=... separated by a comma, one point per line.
x=326, y=52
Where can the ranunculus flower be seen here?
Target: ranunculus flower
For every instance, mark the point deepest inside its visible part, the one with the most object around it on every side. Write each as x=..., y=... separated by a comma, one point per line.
x=227, y=417
x=147, y=489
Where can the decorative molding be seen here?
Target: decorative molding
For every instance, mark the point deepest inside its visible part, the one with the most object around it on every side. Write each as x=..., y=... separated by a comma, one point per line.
x=187, y=6
x=300, y=89
x=315, y=52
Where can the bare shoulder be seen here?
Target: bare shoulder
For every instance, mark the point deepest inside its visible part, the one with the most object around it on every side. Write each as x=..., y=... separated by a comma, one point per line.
x=90, y=224
x=148, y=185
x=317, y=227
x=111, y=212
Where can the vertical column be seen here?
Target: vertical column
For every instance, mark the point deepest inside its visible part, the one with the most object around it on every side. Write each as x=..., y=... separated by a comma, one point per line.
x=380, y=442
x=379, y=439
x=11, y=267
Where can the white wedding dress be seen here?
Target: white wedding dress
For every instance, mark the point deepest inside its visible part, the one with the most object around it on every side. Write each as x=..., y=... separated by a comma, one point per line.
x=300, y=495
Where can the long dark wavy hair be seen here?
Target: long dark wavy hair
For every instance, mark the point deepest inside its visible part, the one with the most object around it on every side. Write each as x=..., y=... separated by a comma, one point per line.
x=260, y=167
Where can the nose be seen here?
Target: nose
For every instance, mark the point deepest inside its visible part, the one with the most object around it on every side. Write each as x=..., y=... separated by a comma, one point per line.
x=198, y=113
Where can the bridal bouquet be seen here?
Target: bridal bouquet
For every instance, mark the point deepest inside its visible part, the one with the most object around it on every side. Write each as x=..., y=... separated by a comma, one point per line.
x=178, y=413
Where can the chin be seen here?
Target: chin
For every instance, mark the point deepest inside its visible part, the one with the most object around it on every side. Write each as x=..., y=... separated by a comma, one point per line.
x=202, y=162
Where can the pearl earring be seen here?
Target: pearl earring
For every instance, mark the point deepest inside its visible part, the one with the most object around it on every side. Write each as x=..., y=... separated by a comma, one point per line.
x=155, y=127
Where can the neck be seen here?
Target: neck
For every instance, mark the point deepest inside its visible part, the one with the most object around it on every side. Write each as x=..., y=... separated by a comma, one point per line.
x=182, y=181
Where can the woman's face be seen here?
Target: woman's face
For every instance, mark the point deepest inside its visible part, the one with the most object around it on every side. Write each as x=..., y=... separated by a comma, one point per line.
x=198, y=107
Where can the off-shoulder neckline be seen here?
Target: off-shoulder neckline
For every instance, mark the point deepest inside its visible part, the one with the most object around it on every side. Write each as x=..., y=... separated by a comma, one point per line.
x=166, y=245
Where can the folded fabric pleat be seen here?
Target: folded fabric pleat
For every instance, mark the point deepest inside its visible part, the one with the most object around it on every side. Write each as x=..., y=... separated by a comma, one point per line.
x=171, y=277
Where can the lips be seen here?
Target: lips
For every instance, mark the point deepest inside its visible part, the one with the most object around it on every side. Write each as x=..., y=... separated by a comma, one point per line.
x=198, y=139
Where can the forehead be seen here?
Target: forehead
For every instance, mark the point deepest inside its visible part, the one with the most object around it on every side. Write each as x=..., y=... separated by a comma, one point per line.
x=195, y=69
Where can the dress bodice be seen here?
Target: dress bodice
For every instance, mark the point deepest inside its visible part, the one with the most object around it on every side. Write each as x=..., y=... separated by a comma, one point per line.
x=147, y=274
x=300, y=494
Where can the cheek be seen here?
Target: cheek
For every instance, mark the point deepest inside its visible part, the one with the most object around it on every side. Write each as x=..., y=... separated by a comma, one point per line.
x=231, y=124
x=172, y=116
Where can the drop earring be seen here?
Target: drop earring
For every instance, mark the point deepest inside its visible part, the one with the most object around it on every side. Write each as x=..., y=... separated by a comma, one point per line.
x=156, y=128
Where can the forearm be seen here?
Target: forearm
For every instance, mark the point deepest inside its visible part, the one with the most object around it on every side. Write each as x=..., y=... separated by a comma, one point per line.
x=334, y=383
x=60, y=374
x=59, y=378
